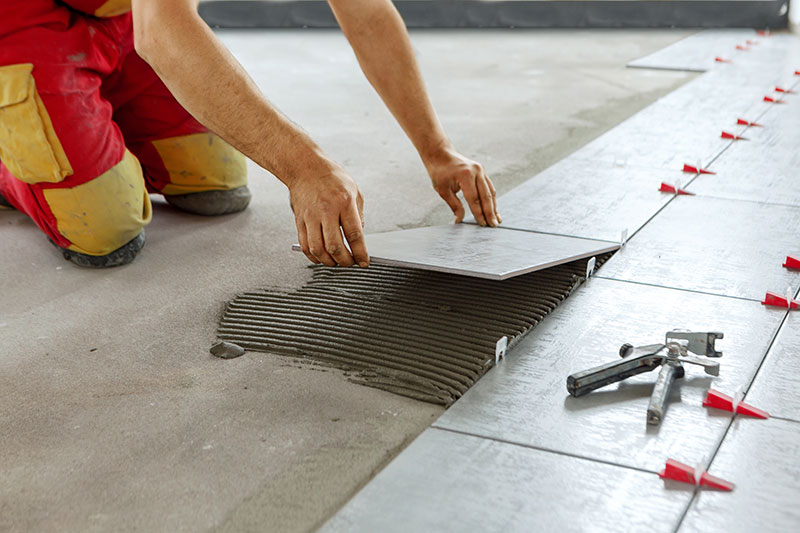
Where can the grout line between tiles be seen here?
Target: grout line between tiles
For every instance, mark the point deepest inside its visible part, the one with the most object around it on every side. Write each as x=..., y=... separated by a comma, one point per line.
x=677, y=288
x=733, y=418
x=541, y=449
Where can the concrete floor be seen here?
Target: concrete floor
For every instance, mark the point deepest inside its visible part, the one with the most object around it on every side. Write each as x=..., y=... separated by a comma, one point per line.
x=113, y=416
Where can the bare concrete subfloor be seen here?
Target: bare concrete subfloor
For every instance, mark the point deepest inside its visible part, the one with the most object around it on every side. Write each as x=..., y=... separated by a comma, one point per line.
x=113, y=415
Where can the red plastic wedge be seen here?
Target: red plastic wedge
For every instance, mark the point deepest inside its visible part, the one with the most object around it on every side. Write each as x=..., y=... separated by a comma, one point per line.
x=722, y=60
x=792, y=262
x=714, y=482
x=748, y=41
x=749, y=410
x=694, y=170
x=718, y=400
x=677, y=471
x=742, y=47
x=784, y=91
x=764, y=33
x=726, y=135
x=666, y=187
x=772, y=100
x=776, y=300
x=743, y=122
x=797, y=72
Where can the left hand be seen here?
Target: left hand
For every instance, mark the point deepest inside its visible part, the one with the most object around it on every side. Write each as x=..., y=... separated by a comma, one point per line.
x=451, y=172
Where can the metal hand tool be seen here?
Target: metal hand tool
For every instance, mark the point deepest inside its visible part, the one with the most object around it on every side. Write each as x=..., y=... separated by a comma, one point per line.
x=679, y=347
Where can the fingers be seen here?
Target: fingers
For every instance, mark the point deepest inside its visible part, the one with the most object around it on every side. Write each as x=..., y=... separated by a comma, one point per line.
x=449, y=196
x=494, y=199
x=303, y=240
x=334, y=244
x=353, y=225
x=487, y=199
x=472, y=196
x=316, y=244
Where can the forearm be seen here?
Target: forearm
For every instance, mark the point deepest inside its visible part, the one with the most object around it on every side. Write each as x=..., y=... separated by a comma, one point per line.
x=380, y=41
x=208, y=81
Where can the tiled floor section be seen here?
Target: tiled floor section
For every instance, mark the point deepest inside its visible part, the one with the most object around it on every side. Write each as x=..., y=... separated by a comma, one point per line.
x=448, y=481
x=518, y=453
x=524, y=400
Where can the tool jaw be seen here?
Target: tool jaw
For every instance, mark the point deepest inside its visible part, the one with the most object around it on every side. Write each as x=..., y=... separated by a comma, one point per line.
x=697, y=342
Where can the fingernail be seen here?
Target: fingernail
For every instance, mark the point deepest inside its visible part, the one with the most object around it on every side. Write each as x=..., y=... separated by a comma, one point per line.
x=483, y=223
x=363, y=264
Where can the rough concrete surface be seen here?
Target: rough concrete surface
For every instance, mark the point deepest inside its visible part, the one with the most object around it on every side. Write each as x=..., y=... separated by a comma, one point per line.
x=113, y=413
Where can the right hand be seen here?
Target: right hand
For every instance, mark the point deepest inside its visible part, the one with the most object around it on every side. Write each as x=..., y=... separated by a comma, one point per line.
x=324, y=208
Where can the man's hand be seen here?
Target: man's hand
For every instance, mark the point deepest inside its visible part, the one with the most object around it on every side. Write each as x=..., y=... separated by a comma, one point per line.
x=325, y=207
x=451, y=172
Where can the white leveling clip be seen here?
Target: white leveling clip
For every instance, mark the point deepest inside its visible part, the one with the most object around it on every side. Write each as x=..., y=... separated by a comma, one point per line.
x=500, y=349
x=590, y=267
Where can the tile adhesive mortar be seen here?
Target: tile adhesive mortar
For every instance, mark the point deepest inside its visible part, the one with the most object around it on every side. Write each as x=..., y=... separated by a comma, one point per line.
x=426, y=335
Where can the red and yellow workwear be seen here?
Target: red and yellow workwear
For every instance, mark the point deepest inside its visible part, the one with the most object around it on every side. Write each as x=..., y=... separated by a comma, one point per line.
x=87, y=129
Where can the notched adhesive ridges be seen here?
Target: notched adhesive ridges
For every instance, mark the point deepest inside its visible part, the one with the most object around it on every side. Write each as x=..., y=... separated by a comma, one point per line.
x=422, y=334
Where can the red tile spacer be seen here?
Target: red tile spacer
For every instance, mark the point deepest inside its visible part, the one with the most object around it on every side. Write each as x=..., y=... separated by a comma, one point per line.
x=748, y=41
x=677, y=471
x=797, y=72
x=714, y=482
x=776, y=300
x=792, y=262
x=743, y=48
x=722, y=60
x=743, y=122
x=726, y=135
x=694, y=170
x=718, y=400
x=772, y=100
x=764, y=33
x=666, y=187
x=784, y=91
x=749, y=410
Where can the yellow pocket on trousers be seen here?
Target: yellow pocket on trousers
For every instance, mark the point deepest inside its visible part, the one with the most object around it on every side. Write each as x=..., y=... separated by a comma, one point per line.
x=29, y=147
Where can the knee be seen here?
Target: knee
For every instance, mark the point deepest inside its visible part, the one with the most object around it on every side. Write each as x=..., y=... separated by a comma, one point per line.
x=200, y=162
x=102, y=215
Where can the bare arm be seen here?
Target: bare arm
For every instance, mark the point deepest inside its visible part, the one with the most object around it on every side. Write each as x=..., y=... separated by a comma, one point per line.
x=380, y=41
x=208, y=81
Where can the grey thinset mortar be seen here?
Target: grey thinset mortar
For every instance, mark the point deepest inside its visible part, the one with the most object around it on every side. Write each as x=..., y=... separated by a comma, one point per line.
x=426, y=335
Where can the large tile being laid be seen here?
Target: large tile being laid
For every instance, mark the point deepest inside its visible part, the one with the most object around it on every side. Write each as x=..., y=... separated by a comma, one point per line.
x=446, y=482
x=728, y=247
x=587, y=199
x=696, y=52
x=524, y=399
x=470, y=250
x=776, y=388
x=762, y=457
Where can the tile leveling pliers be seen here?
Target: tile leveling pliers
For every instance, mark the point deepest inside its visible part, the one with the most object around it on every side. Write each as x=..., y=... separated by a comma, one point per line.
x=679, y=347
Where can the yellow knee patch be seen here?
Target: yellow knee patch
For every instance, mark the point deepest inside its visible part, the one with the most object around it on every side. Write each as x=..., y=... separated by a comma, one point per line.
x=201, y=162
x=29, y=146
x=112, y=8
x=103, y=214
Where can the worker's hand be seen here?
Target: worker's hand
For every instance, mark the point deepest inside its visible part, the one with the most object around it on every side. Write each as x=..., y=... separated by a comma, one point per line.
x=324, y=208
x=451, y=172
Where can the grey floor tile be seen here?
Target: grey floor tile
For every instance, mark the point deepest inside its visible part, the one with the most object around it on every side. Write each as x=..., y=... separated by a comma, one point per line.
x=754, y=170
x=649, y=141
x=467, y=249
x=446, y=482
x=728, y=247
x=587, y=199
x=762, y=457
x=524, y=398
x=697, y=51
x=776, y=388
